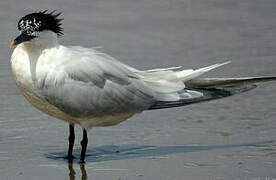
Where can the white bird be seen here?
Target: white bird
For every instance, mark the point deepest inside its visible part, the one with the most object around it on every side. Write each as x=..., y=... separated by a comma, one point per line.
x=86, y=87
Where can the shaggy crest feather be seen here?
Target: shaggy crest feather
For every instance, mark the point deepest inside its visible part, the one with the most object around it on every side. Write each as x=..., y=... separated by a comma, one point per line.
x=40, y=21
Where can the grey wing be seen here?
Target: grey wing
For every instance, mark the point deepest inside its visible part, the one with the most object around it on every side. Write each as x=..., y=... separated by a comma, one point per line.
x=85, y=87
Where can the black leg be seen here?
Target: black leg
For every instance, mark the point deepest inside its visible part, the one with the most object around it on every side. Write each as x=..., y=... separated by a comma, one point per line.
x=71, y=142
x=84, y=142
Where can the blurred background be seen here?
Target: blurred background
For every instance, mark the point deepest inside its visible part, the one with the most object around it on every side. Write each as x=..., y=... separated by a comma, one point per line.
x=232, y=138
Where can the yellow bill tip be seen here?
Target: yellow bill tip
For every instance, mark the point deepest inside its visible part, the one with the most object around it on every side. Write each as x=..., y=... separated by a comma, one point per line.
x=12, y=44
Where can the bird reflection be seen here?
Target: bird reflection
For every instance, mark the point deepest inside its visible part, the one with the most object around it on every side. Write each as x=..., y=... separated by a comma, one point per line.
x=72, y=172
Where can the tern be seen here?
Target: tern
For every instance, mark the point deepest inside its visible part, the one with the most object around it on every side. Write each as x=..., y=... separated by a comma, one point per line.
x=89, y=88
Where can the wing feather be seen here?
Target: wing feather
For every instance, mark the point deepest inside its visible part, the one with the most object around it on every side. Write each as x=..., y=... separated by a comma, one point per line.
x=86, y=84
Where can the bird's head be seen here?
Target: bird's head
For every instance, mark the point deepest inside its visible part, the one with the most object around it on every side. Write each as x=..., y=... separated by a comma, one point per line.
x=38, y=27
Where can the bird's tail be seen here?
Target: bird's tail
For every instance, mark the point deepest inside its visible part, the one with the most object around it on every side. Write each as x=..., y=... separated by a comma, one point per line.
x=173, y=87
x=168, y=84
x=214, y=88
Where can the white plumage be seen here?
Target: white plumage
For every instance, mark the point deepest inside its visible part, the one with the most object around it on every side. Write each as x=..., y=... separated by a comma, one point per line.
x=87, y=87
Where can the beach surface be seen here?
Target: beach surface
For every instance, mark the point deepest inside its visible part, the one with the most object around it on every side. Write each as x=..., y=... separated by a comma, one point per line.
x=228, y=139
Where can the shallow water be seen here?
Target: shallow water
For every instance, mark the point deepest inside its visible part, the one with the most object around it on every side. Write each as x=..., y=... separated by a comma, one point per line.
x=233, y=138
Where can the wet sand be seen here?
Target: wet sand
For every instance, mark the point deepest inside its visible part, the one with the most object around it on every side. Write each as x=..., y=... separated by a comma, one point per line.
x=232, y=138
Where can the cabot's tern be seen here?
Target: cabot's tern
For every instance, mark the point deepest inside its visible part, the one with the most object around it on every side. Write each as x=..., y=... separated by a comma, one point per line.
x=89, y=88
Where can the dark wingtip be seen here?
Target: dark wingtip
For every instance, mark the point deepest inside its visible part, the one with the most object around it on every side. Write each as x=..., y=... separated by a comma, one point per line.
x=208, y=95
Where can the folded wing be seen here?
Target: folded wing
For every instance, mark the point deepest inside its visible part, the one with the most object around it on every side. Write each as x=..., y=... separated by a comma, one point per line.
x=90, y=84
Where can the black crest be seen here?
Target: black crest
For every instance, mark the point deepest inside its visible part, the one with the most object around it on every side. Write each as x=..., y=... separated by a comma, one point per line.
x=40, y=21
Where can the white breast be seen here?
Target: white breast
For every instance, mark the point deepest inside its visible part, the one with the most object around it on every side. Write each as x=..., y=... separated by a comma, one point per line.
x=21, y=67
x=24, y=73
x=26, y=68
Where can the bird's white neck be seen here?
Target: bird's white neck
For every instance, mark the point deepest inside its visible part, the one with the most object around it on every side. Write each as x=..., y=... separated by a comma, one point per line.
x=32, y=55
x=46, y=40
